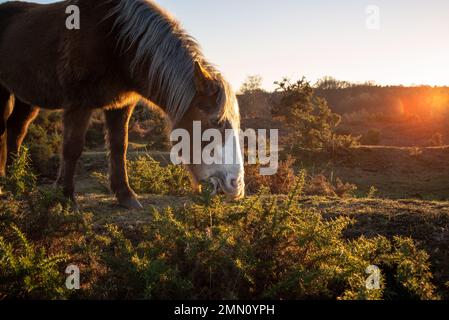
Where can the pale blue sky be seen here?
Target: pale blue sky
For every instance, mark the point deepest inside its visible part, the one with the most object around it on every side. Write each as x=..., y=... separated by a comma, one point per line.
x=276, y=38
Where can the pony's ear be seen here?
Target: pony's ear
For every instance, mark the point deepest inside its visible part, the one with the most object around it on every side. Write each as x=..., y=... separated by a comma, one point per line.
x=203, y=81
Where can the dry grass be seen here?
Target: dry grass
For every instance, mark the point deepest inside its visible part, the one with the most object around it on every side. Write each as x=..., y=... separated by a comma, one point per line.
x=397, y=173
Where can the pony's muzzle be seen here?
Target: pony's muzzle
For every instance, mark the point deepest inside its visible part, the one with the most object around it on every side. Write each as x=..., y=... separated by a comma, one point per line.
x=233, y=187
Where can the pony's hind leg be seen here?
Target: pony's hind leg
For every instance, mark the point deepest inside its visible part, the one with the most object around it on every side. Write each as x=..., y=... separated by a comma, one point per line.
x=117, y=136
x=76, y=122
x=17, y=127
x=6, y=107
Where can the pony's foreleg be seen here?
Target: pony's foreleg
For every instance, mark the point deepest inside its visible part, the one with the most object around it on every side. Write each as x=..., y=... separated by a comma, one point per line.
x=17, y=127
x=117, y=137
x=76, y=122
x=6, y=107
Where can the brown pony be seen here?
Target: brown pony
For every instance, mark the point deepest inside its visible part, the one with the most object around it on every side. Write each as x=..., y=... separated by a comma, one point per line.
x=124, y=50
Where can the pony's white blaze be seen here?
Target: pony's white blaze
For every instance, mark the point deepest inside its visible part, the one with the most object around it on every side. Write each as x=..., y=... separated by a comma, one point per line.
x=227, y=171
x=225, y=167
x=233, y=168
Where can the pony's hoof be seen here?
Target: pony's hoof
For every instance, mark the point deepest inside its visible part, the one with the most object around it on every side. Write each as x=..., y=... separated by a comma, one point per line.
x=131, y=204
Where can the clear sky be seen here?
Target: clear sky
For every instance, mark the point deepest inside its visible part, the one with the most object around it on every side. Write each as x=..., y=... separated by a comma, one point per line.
x=406, y=43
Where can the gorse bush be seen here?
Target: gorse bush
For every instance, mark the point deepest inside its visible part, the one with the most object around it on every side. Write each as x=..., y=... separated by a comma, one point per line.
x=27, y=271
x=20, y=178
x=146, y=175
x=150, y=126
x=40, y=213
x=32, y=219
x=264, y=247
x=44, y=140
x=311, y=123
x=31, y=226
x=37, y=211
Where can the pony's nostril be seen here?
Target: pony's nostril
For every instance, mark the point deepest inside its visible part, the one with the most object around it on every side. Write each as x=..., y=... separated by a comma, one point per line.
x=234, y=183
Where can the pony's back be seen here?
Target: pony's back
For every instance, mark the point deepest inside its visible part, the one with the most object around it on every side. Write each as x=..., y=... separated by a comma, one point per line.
x=9, y=10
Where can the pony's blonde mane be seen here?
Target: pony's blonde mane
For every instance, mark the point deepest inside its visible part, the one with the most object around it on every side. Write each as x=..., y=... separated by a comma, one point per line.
x=169, y=53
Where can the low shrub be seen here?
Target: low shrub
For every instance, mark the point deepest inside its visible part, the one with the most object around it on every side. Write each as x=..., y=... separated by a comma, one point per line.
x=279, y=183
x=44, y=141
x=35, y=210
x=20, y=178
x=150, y=126
x=27, y=272
x=262, y=248
x=148, y=176
x=310, y=121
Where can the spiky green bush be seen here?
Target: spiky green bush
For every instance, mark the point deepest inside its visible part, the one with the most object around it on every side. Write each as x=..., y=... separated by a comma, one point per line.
x=148, y=176
x=311, y=123
x=265, y=247
x=27, y=271
x=270, y=247
x=20, y=178
x=44, y=139
x=35, y=210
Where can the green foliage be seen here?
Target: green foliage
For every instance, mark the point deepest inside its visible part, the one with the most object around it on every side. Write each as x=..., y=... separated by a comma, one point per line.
x=149, y=125
x=372, y=192
x=311, y=122
x=133, y=274
x=37, y=211
x=146, y=175
x=28, y=272
x=264, y=247
x=40, y=213
x=20, y=178
x=44, y=142
x=252, y=84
